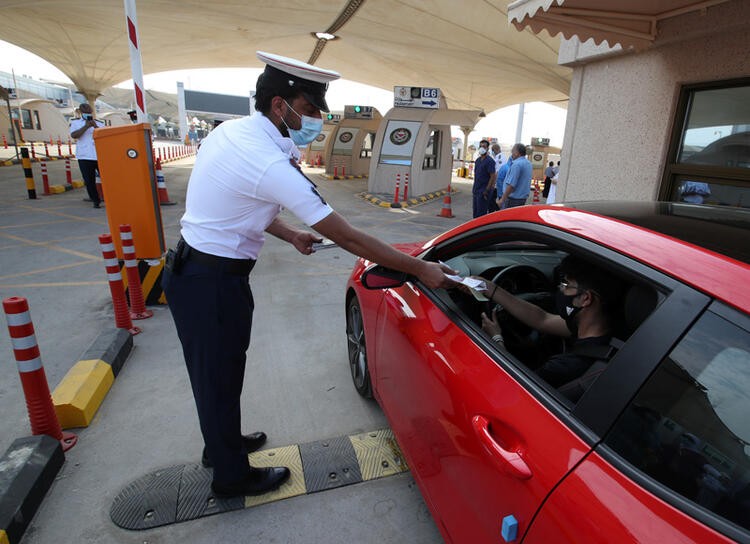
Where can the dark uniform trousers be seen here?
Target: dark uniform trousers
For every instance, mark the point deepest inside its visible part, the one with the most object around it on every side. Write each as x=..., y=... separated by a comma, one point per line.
x=88, y=173
x=212, y=309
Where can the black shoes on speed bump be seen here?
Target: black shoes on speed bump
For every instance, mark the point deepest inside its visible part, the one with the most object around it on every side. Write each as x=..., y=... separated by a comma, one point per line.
x=250, y=443
x=259, y=481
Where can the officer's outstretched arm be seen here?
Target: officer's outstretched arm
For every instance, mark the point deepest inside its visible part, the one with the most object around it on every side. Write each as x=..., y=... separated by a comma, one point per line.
x=301, y=239
x=338, y=229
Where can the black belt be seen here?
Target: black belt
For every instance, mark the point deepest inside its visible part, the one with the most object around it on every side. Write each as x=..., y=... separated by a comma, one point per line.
x=236, y=267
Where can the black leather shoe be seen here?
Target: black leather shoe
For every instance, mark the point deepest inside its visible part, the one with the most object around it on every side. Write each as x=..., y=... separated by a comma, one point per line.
x=260, y=480
x=250, y=443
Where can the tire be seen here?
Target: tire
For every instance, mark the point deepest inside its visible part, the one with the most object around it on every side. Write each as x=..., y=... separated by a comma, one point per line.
x=355, y=340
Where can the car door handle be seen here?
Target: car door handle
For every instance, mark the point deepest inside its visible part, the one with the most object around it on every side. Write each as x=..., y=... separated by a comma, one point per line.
x=510, y=461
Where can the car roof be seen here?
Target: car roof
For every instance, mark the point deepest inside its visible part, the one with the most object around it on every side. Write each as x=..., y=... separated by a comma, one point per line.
x=707, y=247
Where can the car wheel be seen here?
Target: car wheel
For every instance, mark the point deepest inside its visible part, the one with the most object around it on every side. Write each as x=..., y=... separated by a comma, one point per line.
x=355, y=339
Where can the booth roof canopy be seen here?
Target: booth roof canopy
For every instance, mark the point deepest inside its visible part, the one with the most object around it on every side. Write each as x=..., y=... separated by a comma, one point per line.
x=467, y=49
x=629, y=23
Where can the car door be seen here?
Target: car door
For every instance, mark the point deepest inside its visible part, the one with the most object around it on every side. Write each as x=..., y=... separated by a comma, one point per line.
x=476, y=436
x=675, y=467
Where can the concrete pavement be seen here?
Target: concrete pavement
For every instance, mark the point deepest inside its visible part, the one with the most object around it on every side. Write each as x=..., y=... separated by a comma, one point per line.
x=297, y=387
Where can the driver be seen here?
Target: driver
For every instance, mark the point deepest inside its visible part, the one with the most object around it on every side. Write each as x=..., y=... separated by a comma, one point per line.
x=585, y=300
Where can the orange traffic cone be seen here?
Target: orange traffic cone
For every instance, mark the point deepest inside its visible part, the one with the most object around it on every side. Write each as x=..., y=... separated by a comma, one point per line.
x=161, y=186
x=535, y=200
x=446, y=211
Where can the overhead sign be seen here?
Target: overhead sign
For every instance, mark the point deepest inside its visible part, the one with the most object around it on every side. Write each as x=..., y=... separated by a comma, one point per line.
x=333, y=118
x=416, y=97
x=540, y=141
x=357, y=112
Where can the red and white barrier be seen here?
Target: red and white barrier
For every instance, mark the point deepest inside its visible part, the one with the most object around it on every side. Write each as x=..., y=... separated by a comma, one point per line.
x=135, y=291
x=39, y=404
x=45, y=178
x=398, y=188
x=122, y=315
x=68, y=173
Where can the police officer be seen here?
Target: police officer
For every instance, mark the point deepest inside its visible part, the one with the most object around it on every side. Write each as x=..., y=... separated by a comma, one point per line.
x=245, y=173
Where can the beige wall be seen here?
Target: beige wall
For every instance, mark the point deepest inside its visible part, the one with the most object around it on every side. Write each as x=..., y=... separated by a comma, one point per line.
x=622, y=105
x=52, y=121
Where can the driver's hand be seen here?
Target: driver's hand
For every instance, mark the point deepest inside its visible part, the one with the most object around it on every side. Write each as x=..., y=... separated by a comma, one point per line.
x=491, y=326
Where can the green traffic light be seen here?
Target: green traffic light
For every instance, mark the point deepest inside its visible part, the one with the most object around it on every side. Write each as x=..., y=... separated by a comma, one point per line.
x=357, y=109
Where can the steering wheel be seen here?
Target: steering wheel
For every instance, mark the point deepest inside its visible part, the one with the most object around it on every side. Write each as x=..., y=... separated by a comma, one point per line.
x=528, y=283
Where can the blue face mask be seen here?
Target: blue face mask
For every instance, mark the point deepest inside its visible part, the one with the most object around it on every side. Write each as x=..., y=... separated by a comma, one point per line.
x=309, y=130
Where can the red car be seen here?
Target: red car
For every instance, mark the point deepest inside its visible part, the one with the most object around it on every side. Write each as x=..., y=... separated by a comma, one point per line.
x=650, y=444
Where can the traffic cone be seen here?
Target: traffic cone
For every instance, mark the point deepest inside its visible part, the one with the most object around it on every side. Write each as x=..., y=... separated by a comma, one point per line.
x=161, y=186
x=398, y=188
x=39, y=404
x=122, y=315
x=135, y=291
x=446, y=210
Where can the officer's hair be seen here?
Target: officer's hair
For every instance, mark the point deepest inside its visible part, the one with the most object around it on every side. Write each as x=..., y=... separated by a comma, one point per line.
x=521, y=149
x=265, y=92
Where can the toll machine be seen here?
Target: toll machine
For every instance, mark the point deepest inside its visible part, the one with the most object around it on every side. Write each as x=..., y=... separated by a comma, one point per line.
x=318, y=151
x=414, y=140
x=352, y=145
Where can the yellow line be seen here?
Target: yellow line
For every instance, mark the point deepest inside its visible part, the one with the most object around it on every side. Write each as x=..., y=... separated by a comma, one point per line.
x=49, y=245
x=51, y=269
x=35, y=224
x=77, y=218
x=51, y=284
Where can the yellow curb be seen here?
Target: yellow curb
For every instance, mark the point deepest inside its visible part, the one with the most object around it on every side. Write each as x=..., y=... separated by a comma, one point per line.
x=81, y=392
x=77, y=183
x=4, y=537
x=56, y=189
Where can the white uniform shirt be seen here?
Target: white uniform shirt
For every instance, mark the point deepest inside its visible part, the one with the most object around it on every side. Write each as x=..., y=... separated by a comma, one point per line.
x=241, y=180
x=85, y=148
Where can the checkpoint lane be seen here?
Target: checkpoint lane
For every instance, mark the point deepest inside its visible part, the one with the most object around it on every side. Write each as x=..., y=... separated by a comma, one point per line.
x=297, y=388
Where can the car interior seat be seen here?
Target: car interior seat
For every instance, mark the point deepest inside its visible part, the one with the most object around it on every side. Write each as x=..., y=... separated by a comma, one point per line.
x=638, y=303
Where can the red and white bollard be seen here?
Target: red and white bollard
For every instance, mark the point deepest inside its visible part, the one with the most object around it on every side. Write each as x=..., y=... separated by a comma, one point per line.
x=33, y=151
x=45, y=178
x=335, y=171
x=59, y=148
x=398, y=187
x=161, y=186
x=70, y=148
x=135, y=291
x=68, y=173
x=5, y=142
x=343, y=171
x=46, y=150
x=39, y=404
x=406, y=186
x=122, y=315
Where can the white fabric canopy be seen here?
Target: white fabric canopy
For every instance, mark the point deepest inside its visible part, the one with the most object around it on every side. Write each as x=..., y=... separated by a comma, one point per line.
x=629, y=23
x=467, y=49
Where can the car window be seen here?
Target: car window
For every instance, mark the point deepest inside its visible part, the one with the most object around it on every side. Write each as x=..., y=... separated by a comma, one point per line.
x=688, y=427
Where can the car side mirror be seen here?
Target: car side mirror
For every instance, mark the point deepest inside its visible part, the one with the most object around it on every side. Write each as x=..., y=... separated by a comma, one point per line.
x=380, y=277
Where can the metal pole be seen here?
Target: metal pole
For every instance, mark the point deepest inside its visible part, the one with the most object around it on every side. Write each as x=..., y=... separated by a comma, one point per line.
x=4, y=94
x=135, y=60
x=519, y=124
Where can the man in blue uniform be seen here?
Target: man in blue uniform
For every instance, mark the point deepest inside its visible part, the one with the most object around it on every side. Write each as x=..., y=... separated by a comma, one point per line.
x=245, y=173
x=517, y=184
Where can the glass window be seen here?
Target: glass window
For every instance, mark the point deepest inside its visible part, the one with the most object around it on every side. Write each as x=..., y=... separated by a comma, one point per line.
x=366, y=151
x=710, y=152
x=688, y=427
x=37, y=122
x=432, y=152
x=26, y=119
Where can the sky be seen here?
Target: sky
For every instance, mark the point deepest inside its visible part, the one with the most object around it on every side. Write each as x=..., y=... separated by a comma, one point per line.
x=540, y=120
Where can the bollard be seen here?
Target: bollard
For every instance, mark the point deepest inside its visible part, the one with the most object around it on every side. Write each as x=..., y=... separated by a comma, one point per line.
x=446, y=211
x=70, y=149
x=161, y=186
x=30, y=187
x=343, y=171
x=46, y=150
x=33, y=151
x=68, y=173
x=398, y=187
x=42, y=414
x=5, y=142
x=59, y=148
x=122, y=316
x=535, y=199
x=406, y=186
x=335, y=172
x=51, y=143
x=135, y=291
x=45, y=178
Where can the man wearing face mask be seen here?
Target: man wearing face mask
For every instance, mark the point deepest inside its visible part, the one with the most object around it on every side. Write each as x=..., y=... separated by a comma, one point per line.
x=484, y=179
x=586, y=300
x=245, y=174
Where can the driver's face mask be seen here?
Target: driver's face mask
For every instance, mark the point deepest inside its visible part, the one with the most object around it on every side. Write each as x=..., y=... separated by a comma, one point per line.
x=566, y=309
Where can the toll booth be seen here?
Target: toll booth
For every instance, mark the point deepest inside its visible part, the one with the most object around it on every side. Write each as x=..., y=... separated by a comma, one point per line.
x=539, y=154
x=126, y=166
x=318, y=151
x=414, y=140
x=353, y=141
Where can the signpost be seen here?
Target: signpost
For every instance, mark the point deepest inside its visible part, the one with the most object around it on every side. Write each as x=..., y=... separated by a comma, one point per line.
x=416, y=97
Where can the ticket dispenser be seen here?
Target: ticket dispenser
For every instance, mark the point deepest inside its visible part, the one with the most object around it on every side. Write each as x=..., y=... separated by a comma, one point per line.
x=320, y=148
x=353, y=142
x=126, y=166
x=415, y=141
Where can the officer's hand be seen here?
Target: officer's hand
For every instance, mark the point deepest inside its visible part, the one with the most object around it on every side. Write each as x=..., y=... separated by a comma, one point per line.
x=304, y=240
x=434, y=276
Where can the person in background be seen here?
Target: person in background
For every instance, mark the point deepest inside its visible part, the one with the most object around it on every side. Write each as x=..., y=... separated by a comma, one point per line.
x=517, y=184
x=549, y=173
x=82, y=130
x=484, y=179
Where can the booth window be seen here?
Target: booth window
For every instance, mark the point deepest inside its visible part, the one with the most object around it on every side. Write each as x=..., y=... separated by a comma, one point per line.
x=366, y=151
x=432, y=153
x=37, y=121
x=26, y=119
x=709, y=154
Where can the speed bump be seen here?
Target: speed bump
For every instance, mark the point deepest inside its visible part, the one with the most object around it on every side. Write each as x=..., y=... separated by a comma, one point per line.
x=183, y=492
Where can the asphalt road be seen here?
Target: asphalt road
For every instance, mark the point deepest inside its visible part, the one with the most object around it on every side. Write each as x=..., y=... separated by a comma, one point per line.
x=297, y=386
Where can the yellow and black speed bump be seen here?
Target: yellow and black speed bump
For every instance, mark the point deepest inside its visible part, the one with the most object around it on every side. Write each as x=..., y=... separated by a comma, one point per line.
x=183, y=492
x=374, y=199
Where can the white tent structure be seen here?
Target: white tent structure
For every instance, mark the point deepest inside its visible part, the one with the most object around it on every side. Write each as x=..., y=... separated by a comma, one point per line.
x=468, y=49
